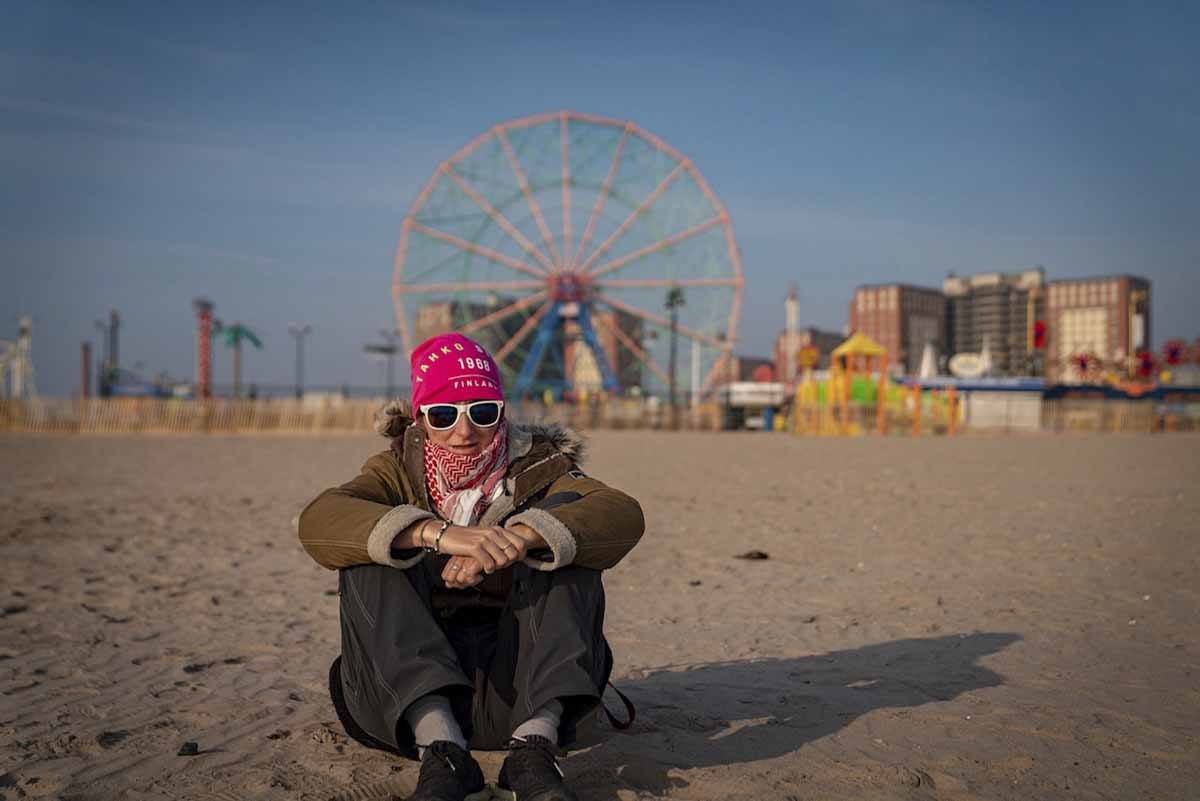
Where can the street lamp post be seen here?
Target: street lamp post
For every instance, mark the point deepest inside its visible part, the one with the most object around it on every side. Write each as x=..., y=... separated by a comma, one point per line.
x=102, y=370
x=389, y=336
x=299, y=331
x=114, y=328
x=387, y=350
x=673, y=302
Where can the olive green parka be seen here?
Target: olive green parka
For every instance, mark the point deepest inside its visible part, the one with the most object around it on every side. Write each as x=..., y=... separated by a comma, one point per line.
x=583, y=521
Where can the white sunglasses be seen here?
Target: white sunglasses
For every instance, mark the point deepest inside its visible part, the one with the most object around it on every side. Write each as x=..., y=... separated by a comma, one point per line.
x=443, y=416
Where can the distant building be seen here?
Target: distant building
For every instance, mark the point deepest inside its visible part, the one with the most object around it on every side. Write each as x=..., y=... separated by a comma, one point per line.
x=903, y=319
x=1107, y=318
x=1001, y=309
x=823, y=341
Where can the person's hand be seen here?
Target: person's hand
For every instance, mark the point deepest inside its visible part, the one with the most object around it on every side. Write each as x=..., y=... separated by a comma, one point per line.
x=462, y=573
x=493, y=547
x=530, y=539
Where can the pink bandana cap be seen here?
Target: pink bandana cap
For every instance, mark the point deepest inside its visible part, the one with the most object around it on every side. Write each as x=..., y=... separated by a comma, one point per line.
x=452, y=368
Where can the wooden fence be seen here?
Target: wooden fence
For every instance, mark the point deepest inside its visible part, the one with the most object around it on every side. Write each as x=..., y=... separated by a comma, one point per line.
x=905, y=413
x=286, y=415
x=171, y=416
x=1118, y=416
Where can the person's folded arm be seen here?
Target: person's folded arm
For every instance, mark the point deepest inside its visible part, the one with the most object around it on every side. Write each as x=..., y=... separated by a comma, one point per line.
x=584, y=522
x=366, y=520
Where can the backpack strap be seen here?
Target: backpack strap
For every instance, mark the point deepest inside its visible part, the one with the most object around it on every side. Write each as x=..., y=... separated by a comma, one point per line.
x=630, y=710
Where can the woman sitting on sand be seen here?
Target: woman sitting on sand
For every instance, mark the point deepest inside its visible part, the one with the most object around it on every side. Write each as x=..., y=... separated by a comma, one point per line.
x=469, y=557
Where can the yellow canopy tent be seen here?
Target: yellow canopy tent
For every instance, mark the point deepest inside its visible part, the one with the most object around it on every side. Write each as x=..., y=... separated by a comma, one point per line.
x=859, y=344
x=857, y=353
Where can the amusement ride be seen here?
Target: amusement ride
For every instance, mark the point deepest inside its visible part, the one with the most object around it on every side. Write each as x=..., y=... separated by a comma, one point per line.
x=580, y=249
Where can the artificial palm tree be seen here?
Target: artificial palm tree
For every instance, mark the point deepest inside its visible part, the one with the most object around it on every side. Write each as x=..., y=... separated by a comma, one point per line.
x=234, y=336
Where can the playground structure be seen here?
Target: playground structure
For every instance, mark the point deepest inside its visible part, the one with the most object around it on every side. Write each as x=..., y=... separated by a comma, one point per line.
x=856, y=355
x=16, y=363
x=579, y=249
x=857, y=397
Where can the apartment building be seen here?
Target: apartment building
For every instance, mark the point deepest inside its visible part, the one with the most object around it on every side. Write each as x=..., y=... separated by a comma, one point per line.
x=1106, y=317
x=902, y=318
x=1000, y=309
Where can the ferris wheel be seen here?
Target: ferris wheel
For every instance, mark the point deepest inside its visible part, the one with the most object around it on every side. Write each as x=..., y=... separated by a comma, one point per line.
x=584, y=252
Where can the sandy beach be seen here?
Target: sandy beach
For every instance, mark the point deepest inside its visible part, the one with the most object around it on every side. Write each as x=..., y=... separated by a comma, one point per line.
x=937, y=619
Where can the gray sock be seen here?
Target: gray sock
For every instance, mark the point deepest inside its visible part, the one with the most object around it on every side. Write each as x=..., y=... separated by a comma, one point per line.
x=544, y=723
x=431, y=720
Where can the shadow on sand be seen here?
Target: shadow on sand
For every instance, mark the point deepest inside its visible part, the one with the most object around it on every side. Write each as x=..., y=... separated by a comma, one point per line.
x=726, y=713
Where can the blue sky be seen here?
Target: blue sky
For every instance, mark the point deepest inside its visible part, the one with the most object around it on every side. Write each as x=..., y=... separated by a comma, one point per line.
x=265, y=156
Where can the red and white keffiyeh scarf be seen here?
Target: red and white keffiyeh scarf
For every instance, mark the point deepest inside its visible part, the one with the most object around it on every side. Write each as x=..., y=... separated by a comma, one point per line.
x=462, y=487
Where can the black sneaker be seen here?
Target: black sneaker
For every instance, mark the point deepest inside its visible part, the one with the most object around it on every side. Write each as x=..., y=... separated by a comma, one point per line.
x=449, y=773
x=531, y=773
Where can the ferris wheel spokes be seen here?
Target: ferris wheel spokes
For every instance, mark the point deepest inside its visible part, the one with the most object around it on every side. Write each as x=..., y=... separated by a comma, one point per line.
x=632, y=218
x=635, y=349
x=505, y=311
x=566, y=189
x=468, y=286
x=602, y=196
x=670, y=241
x=664, y=283
x=659, y=320
x=534, y=208
x=530, y=323
x=499, y=219
x=479, y=250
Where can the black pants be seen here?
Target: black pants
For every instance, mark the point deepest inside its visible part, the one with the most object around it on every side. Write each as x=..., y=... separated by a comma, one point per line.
x=496, y=666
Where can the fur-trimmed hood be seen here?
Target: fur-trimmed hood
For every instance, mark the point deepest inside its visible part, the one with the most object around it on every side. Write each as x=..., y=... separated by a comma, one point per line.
x=392, y=420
